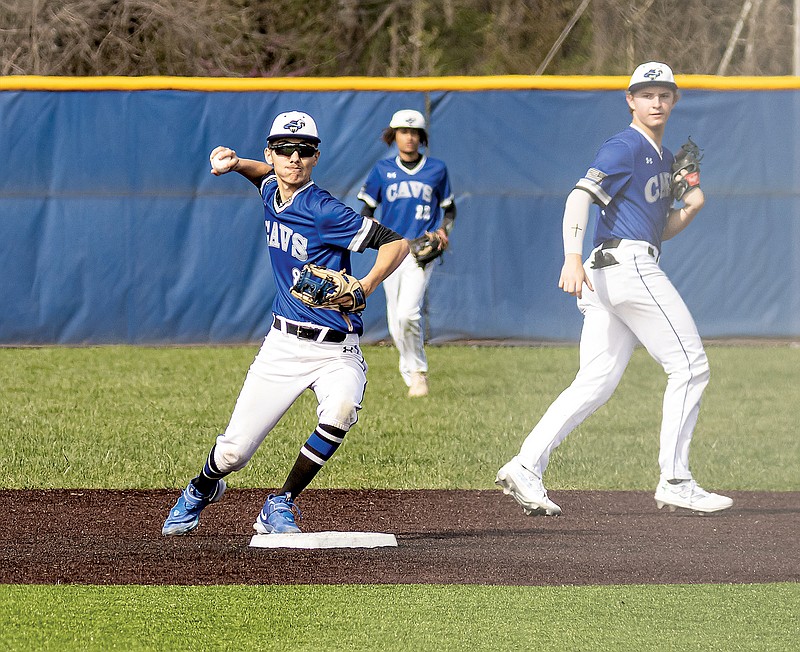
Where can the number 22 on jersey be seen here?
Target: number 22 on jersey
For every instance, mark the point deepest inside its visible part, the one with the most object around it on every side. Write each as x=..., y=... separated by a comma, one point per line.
x=423, y=212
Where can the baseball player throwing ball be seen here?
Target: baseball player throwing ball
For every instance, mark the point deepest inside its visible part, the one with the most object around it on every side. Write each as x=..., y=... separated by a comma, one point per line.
x=314, y=340
x=626, y=298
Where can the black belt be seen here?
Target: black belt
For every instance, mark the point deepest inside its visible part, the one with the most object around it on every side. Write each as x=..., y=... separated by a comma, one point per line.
x=307, y=332
x=611, y=244
x=607, y=260
x=615, y=242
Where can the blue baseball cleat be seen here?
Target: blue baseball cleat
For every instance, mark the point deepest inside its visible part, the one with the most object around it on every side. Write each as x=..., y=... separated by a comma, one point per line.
x=185, y=515
x=277, y=516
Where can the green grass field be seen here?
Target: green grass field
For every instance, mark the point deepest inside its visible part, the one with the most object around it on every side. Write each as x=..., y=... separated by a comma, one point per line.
x=458, y=618
x=130, y=417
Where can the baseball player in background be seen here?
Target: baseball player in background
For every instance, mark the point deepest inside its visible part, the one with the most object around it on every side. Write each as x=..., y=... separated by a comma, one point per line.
x=415, y=197
x=306, y=348
x=627, y=299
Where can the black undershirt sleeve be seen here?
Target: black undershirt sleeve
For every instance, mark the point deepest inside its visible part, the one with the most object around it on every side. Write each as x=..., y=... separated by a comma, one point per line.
x=380, y=235
x=448, y=218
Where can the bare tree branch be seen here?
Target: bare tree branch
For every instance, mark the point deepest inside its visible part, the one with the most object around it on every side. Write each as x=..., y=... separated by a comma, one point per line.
x=389, y=37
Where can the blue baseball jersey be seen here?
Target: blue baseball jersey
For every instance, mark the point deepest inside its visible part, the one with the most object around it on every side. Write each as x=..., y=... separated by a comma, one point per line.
x=631, y=181
x=312, y=227
x=411, y=200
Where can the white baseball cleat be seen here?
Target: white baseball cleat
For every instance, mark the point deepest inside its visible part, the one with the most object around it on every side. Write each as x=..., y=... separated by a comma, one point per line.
x=689, y=495
x=527, y=489
x=419, y=385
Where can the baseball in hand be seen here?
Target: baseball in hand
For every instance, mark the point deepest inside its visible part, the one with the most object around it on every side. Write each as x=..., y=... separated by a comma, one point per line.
x=222, y=160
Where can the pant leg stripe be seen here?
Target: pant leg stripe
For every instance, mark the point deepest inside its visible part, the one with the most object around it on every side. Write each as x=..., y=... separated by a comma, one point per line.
x=683, y=349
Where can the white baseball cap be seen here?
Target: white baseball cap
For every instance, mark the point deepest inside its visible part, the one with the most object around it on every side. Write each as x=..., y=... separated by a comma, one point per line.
x=407, y=119
x=294, y=124
x=652, y=73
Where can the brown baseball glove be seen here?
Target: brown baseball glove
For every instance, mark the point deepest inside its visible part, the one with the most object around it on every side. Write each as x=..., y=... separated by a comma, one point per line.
x=320, y=287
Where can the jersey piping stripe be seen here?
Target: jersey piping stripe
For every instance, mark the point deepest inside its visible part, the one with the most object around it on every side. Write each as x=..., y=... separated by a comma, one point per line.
x=413, y=170
x=657, y=149
x=279, y=208
x=593, y=189
x=267, y=179
x=369, y=201
x=358, y=240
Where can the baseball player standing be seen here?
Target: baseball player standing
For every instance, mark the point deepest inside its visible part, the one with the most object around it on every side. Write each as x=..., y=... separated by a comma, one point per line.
x=306, y=348
x=414, y=192
x=628, y=298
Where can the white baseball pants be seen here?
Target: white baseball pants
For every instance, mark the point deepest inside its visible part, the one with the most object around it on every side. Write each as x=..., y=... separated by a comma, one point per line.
x=283, y=369
x=632, y=301
x=405, y=293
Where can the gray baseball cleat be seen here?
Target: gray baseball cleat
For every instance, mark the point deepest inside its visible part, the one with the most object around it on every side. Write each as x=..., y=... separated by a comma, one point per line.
x=527, y=489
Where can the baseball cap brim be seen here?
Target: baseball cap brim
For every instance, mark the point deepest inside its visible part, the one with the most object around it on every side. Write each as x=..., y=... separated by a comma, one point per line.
x=635, y=87
x=310, y=139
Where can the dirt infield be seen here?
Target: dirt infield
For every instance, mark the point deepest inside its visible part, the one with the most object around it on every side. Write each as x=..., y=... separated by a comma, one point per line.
x=451, y=537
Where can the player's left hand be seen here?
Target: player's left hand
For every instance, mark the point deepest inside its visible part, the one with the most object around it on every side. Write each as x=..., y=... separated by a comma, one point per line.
x=444, y=241
x=686, y=169
x=319, y=287
x=344, y=304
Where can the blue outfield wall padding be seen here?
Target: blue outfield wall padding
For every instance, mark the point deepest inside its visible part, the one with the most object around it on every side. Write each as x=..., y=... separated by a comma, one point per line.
x=112, y=229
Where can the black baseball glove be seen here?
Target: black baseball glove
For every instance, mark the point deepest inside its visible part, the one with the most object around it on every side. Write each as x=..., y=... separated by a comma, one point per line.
x=426, y=248
x=686, y=169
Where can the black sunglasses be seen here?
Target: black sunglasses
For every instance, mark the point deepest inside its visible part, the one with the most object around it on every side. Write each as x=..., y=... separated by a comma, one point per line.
x=287, y=149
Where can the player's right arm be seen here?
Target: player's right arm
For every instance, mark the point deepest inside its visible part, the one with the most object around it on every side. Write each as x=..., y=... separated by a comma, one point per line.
x=391, y=252
x=224, y=160
x=576, y=217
